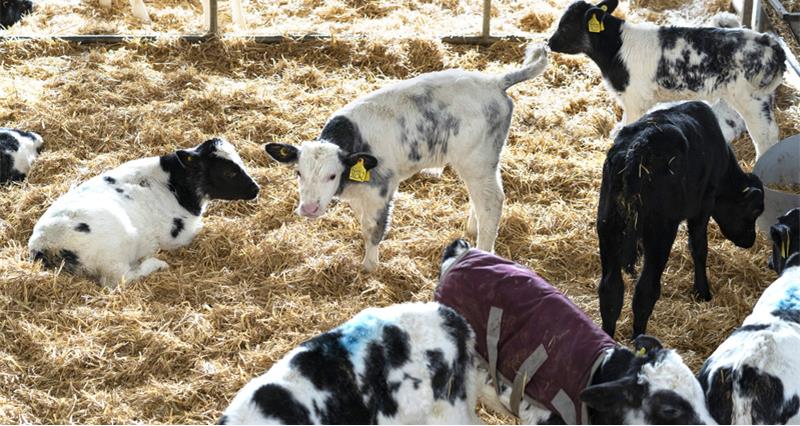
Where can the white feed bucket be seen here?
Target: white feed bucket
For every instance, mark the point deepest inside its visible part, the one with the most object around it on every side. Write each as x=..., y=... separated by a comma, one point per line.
x=779, y=165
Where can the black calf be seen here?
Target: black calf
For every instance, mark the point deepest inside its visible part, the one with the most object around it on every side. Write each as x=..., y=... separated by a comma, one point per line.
x=11, y=11
x=669, y=166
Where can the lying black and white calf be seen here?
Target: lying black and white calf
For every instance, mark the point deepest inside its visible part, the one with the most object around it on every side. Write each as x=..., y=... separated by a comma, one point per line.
x=541, y=358
x=111, y=226
x=643, y=64
x=403, y=364
x=671, y=165
x=754, y=376
x=12, y=11
x=368, y=147
x=18, y=151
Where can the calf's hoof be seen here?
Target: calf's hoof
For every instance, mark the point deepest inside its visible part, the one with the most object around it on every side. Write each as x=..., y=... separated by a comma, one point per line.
x=702, y=295
x=369, y=265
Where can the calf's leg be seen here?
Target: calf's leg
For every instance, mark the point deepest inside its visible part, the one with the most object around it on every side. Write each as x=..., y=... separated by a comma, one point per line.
x=486, y=198
x=758, y=115
x=611, y=289
x=657, y=241
x=698, y=244
x=375, y=220
x=140, y=10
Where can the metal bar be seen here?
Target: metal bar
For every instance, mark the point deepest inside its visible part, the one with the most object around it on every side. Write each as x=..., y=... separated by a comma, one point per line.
x=480, y=40
x=487, y=16
x=213, y=13
x=89, y=39
x=747, y=13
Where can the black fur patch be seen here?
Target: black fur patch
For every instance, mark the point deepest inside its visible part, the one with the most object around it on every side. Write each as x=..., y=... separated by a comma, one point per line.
x=119, y=190
x=770, y=405
x=275, y=401
x=326, y=363
x=751, y=328
x=177, y=227
x=183, y=184
x=787, y=314
x=83, y=227
x=109, y=180
x=719, y=393
x=8, y=145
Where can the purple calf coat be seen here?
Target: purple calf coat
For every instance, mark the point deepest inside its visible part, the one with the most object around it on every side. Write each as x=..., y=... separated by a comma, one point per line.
x=526, y=330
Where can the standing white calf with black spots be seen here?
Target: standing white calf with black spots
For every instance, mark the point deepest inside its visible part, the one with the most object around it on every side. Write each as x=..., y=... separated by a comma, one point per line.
x=454, y=117
x=111, y=226
x=643, y=64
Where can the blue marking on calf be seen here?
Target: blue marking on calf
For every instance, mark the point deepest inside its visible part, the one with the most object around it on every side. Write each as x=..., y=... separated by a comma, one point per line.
x=788, y=308
x=358, y=332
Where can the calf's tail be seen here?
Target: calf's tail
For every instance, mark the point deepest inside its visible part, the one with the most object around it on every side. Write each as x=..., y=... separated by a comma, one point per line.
x=535, y=63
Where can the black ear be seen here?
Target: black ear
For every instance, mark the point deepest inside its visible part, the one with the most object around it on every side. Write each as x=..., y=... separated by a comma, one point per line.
x=648, y=343
x=610, y=395
x=187, y=158
x=282, y=152
x=369, y=161
x=208, y=146
x=608, y=6
x=593, y=20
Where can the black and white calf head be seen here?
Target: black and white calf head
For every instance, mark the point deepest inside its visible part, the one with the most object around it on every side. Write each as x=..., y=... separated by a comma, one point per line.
x=216, y=170
x=582, y=28
x=785, y=236
x=18, y=150
x=322, y=170
x=736, y=211
x=649, y=386
x=11, y=11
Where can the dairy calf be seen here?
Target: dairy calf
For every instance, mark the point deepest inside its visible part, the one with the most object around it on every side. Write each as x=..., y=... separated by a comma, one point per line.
x=111, y=226
x=368, y=147
x=543, y=359
x=643, y=64
x=403, y=364
x=18, y=150
x=754, y=376
x=671, y=165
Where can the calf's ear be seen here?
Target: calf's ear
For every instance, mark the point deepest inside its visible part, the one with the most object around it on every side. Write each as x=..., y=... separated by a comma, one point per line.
x=593, y=20
x=608, y=6
x=647, y=343
x=610, y=395
x=369, y=161
x=187, y=158
x=282, y=152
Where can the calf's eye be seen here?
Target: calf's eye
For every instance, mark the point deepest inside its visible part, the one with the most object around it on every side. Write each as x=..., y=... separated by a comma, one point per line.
x=331, y=177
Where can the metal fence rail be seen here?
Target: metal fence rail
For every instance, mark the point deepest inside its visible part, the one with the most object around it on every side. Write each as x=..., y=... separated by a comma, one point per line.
x=213, y=33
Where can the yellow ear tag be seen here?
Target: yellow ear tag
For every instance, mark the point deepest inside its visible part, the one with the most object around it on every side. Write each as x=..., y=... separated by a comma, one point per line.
x=604, y=8
x=359, y=173
x=284, y=152
x=641, y=352
x=595, y=26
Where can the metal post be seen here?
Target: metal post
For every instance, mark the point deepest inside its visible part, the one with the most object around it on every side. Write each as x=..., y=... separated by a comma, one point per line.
x=487, y=16
x=747, y=13
x=213, y=28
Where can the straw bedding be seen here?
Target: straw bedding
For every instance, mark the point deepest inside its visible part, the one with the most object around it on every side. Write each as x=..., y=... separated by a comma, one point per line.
x=258, y=280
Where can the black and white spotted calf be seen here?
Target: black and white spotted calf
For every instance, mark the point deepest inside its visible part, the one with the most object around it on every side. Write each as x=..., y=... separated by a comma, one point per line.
x=754, y=376
x=671, y=165
x=111, y=226
x=643, y=64
x=368, y=147
x=403, y=364
x=18, y=151
x=11, y=11
x=543, y=359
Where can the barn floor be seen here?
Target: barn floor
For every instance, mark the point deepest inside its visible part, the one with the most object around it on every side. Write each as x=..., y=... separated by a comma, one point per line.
x=258, y=280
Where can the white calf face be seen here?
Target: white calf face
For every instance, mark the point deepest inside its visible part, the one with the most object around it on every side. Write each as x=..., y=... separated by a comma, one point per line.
x=319, y=170
x=671, y=386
